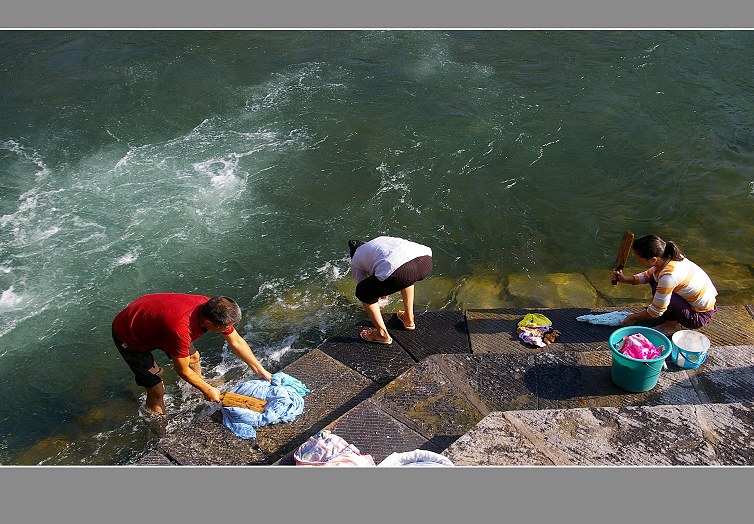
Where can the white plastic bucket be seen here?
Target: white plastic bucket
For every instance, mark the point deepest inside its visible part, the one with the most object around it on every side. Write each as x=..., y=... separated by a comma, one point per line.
x=689, y=348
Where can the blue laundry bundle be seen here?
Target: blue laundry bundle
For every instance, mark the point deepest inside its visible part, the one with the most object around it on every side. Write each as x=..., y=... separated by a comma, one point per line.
x=284, y=395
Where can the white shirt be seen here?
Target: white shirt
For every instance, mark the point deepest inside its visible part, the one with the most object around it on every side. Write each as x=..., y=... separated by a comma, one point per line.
x=381, y=256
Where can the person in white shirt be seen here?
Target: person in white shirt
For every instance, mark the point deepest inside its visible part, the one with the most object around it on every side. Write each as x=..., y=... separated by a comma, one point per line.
x=381, y=267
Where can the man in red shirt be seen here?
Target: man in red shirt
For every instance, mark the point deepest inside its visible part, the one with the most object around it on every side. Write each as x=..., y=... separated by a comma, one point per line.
x=171, y=322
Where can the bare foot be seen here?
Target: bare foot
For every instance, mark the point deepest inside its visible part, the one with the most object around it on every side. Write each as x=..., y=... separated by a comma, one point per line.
x=155, y=410
x=668, y=328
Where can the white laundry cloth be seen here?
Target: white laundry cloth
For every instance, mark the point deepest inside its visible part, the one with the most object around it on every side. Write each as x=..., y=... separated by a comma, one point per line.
x=417, y=457
x=614, y=318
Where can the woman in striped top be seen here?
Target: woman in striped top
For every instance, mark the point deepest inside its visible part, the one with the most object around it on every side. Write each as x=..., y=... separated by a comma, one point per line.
x=683, y=294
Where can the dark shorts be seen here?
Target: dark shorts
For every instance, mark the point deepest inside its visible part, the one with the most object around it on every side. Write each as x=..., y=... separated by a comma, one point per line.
x=147, y=371
x=371, y=288
x=679, y=310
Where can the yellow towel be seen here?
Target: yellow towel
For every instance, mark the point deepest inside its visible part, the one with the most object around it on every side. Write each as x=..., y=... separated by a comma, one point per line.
x=534, y=319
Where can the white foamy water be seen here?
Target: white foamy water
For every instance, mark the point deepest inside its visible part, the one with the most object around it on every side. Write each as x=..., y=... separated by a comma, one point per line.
x=9, y=299
x=128, y=258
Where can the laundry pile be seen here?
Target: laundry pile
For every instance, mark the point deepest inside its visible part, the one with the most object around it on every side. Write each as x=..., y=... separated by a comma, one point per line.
x=284, y=395
x=417, y=457
x=536, y=329
x=328, y=449
x=638, y=346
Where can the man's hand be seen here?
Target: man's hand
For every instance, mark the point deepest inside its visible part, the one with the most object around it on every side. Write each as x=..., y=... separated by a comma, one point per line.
x=212, y=394
x=183, y=366
x=264, y=374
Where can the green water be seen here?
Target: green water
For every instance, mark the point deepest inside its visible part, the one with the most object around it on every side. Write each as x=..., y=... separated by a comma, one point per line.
x=241, y=162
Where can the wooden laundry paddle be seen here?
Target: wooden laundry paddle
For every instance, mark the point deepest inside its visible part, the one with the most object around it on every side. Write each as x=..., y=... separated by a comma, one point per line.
x=623, y=251
x=235, y=400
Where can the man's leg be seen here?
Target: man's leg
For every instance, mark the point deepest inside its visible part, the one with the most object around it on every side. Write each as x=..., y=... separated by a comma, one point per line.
x=156, y=399
x=146, y=371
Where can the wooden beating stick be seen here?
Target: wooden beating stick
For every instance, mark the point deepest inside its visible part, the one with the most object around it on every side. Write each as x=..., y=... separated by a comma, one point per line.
x=235, y=400
x=623, y=252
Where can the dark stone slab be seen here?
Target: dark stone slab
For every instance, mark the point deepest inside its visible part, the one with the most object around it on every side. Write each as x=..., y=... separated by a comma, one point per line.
x=375, y=432
x=436, y=332
x=494, y=330
x=426, y=400
x=208, y=443
x=556, y=380
x=497, y=381
x=377, y=362
x=155, y=458
x=334, y=389
x=673, y=385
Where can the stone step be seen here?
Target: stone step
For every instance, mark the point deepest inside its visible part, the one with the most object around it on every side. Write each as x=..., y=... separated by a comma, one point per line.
x=435, y=384
x=684, y=435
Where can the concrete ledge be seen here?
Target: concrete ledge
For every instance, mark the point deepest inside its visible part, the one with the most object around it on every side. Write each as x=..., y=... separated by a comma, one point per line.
x=709, y=434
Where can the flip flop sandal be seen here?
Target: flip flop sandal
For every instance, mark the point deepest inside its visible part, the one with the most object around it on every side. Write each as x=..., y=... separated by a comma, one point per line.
x=400, y=317
x=369, y=337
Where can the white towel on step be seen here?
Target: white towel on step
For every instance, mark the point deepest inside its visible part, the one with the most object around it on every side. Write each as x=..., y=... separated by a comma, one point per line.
x=614, y=318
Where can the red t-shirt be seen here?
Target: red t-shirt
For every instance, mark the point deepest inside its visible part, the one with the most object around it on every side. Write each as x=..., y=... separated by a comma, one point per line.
x=167, y=321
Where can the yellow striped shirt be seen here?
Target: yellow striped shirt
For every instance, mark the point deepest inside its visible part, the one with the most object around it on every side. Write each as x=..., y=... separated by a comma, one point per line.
x=684, y=278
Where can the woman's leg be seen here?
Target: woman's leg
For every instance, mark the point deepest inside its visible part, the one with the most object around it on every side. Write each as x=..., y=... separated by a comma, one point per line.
x=409, y=273
x=379, y=333
x=407, y=316
x=679, y=314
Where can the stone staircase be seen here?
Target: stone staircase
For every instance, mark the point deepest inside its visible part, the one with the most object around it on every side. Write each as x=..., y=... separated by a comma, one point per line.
x=463, y=384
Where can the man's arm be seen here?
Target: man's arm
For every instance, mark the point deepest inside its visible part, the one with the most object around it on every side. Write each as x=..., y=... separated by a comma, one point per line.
x=183, y=368
x=241, y=348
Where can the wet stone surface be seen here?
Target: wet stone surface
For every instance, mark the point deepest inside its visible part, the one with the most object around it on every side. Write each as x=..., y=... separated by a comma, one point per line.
x=463, y=384
x=635, y=435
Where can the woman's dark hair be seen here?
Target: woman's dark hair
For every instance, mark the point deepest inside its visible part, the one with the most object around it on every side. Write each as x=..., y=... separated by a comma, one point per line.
x=221, y=311
x=650, y=246
x=353, y=244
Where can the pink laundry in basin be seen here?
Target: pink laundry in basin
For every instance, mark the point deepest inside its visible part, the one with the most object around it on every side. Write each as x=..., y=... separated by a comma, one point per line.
x=639, y=347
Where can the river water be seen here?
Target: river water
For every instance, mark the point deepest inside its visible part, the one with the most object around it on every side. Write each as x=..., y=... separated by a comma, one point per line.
x=241, y=162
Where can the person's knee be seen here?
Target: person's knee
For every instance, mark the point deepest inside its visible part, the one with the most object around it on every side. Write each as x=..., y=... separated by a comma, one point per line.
x=156, y=390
